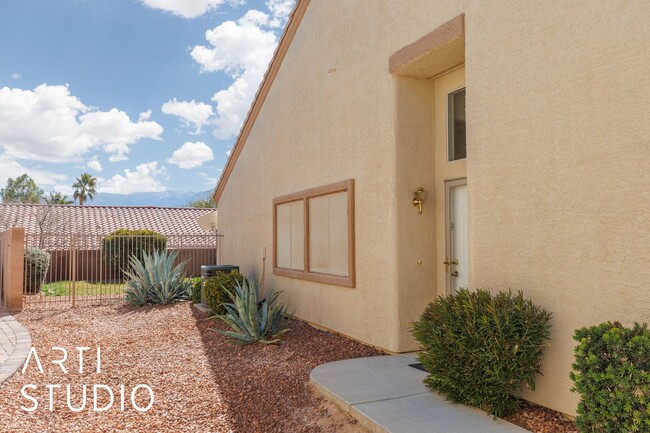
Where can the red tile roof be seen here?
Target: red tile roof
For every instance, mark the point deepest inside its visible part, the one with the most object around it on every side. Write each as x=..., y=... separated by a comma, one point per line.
x=100, y=220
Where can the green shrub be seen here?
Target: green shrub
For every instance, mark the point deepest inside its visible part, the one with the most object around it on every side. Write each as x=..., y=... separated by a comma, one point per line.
x=216, y=290
x=155, y=280
x=119, y=246
x=253, y=320
x=37, y=263
x=195, y=289
x=612, y=374
x=479, y=348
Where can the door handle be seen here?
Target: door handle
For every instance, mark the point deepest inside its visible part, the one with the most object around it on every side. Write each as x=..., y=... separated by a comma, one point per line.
x=454, y=274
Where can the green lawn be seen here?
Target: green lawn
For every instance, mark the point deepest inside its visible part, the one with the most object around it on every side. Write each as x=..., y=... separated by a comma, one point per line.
x=83, y=288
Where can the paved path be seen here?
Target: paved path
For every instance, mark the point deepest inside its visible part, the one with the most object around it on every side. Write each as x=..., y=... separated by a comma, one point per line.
x=15, y=343
x=387, y=396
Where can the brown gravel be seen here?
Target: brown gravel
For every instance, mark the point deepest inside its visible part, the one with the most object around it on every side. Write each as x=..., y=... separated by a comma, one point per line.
x=201, y=382
x=539, y=419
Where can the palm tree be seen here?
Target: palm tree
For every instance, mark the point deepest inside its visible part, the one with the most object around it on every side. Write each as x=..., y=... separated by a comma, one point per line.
x=84, y=188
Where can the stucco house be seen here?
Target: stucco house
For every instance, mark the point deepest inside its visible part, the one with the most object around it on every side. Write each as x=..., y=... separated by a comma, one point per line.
x=100, y=221
x=525, y=124
x=53, y=227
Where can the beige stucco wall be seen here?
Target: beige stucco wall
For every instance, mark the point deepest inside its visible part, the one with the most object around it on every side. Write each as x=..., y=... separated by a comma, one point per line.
x=557, y=125
x=559, y=187
x=332, y=114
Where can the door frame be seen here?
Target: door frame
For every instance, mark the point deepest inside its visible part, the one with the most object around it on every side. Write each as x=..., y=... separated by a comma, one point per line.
x=451, y=183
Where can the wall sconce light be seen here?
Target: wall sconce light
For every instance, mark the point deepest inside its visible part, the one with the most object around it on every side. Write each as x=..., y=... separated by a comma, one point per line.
x=418, y=198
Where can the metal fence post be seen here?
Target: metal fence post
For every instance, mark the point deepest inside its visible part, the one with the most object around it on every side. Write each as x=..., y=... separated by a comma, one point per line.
x=73, y=268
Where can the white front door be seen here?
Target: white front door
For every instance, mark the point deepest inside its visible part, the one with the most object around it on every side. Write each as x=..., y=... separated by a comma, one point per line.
x=457, y=236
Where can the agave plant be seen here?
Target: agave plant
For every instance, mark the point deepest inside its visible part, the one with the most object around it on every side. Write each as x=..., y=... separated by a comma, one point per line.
x=250, y=319
x=155, y=279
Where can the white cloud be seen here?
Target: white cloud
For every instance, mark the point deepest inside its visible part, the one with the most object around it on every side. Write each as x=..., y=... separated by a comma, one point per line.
x=188, y=8
x=254, y=18
x=115, y=131
x=191, y=113
x=237, y=46
x=145, y=115
x=280, y=10
x=242, y=49
x=191, y=155
x=94, y=164
x=49, y=124
x=12, y=168
x=16, y=76
x=208, y=179
x=145, y=178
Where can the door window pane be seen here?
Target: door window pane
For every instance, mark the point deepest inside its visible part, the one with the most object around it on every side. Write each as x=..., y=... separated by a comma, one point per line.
x=456, y=125
x=459, y=236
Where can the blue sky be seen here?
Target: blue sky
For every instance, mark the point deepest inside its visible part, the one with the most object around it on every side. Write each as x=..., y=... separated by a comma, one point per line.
x=146, y=95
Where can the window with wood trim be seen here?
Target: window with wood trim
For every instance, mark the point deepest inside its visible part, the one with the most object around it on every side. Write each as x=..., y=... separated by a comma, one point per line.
x=313, y=234
x=457, y=139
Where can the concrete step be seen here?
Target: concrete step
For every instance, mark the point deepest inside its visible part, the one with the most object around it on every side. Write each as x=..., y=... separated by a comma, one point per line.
x=386, y=395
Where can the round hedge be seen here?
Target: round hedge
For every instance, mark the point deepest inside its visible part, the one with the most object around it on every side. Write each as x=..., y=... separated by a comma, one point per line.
x=37, y=263
x=480, y=348
x=215, y=295
x=119, y=246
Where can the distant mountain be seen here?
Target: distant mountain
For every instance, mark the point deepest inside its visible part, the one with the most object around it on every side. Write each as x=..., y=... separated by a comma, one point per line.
x=163, y=199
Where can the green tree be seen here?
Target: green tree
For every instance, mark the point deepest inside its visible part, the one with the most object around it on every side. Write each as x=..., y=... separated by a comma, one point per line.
x=21, y=190
x=84, y=188
x=206, y=203
x=56, y=197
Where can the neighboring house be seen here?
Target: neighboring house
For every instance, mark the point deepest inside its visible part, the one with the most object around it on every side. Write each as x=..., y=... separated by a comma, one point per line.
x=61, y=229
x=100, y=221
x=547, y=190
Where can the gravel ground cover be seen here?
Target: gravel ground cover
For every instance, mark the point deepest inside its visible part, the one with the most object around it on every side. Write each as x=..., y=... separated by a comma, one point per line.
x=201, y=382
x=539, y=419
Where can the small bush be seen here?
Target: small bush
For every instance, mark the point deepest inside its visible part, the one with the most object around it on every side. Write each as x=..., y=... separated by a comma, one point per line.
x=479, y=348
x=121, y=245
x=216, y=290
x=252, y=320
x=155, y=280
x=195, y=289
x=612, y=374
x=37, y=263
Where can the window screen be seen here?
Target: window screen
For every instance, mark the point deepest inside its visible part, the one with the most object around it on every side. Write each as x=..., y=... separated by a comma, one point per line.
x=328, y=234
x=290, y=232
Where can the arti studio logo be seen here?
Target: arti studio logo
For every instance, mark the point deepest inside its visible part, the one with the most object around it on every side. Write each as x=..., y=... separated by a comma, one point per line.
x=103, y=397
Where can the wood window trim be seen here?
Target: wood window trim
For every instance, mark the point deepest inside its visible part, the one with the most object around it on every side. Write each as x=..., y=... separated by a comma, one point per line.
x=304, y=196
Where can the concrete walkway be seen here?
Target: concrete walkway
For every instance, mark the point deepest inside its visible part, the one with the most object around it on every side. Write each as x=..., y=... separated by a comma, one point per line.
x=15, y=343
x=387, y=396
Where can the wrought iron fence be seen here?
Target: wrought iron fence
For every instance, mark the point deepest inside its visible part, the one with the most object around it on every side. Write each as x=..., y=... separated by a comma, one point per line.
x=73, y=268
